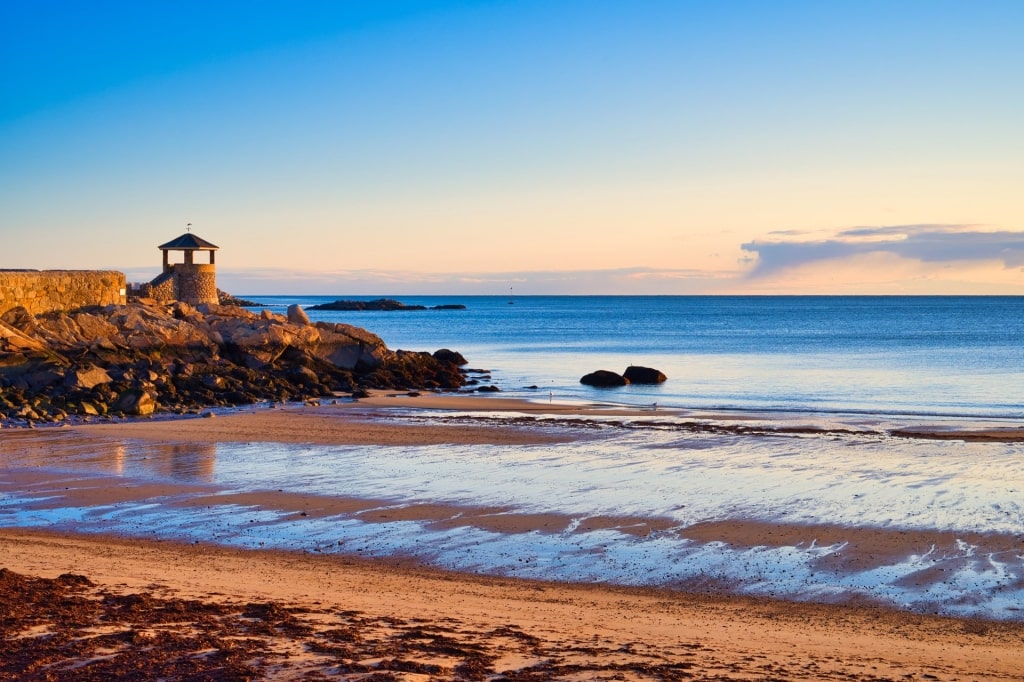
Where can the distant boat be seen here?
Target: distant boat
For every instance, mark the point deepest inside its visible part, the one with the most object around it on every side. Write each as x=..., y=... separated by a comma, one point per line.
x=510, y=301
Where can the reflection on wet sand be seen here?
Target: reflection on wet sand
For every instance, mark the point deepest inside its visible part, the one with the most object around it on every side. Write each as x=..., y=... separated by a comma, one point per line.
x=61, y=449
x=195, y=462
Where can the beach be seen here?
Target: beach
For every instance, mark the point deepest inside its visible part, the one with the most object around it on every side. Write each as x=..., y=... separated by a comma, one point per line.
x=144, y=507
x=326, y=617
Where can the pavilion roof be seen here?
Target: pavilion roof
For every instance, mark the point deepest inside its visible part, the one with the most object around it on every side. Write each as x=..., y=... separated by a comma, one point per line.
x=188, y=242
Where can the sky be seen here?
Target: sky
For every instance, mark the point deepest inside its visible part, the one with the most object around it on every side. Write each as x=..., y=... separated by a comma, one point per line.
x=553, y=146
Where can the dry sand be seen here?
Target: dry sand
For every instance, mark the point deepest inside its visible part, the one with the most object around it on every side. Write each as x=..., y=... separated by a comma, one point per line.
x=298, y=614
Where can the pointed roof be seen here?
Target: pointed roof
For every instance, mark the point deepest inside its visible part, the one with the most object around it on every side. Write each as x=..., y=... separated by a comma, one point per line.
x=188, y=242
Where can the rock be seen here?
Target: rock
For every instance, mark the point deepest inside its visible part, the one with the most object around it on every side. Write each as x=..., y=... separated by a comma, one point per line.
x=296, y=315
x=227, y=299
x=446, y=355
x=87, y=409
x=178, y=358
x=488, y=389
x=26, y=412
x=643, y=375
x=409, y=369
x=40, y=378
x=603, y=378
x=304, y=375
x=349, y=347
x=134, y=401
x=86, y=378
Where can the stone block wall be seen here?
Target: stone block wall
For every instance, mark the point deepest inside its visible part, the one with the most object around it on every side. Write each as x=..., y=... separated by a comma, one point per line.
x=197, y=283
x=43, y=291
x=163, y=288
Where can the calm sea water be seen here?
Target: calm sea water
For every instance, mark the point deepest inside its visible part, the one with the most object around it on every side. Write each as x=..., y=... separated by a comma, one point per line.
x=956, y=356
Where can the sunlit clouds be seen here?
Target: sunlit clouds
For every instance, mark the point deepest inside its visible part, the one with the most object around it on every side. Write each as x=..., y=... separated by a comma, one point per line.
x=898, y=259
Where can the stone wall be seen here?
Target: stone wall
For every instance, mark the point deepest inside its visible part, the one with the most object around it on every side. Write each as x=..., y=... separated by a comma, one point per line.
x=197, y=283
x=163, y=288
x=43, y=291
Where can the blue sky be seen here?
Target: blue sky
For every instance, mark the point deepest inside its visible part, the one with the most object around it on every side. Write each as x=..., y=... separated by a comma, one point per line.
x=563, y=147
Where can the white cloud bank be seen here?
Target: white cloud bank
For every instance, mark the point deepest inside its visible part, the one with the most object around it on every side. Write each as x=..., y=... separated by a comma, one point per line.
x=924, y=243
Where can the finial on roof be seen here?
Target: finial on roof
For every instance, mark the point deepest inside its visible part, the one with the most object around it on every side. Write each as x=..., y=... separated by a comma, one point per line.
x=189, y=228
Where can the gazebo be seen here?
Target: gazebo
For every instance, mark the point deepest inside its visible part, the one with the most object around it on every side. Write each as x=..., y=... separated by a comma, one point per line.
x=189, y=244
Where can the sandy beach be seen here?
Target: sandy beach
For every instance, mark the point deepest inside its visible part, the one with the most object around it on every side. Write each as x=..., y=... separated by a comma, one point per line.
x=280, y=615
x=167, y=607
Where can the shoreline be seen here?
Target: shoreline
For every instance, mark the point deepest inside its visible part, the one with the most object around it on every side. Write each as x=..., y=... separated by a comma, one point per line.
x=738, y=421
x=842, y=550
x=397, y=612
x=126, y=477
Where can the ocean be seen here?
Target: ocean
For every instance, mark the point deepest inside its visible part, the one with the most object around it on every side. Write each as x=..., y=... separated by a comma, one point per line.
x=891, y=355
x=664, y=498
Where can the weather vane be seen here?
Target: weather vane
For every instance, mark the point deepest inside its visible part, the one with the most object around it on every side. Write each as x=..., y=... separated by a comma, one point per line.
x=188, y=228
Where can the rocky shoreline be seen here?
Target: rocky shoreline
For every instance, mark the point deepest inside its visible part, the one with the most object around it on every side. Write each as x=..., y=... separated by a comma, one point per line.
x=147, y=357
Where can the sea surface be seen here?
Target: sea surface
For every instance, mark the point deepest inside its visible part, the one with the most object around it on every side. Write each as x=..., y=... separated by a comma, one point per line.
x=846, y=512
x=955, y=356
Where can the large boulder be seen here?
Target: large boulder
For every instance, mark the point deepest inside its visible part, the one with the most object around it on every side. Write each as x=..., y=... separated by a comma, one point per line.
x=262, y=340
x=136, y=402
x=349, y=347
x=643, y=375
x=85, y=378
x=296, y=315
x=603, y=378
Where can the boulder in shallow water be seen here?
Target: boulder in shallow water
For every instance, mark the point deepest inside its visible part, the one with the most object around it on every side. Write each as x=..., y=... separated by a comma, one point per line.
x=604, y=378
x=644, y=375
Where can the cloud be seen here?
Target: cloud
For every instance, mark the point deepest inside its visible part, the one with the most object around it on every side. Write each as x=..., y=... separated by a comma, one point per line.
x=924, y=242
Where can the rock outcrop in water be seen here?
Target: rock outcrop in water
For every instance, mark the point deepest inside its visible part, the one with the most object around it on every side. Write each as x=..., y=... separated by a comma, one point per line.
x=382, y=304
x=644, y=375
x=604, y=378
x=147, y=357
x=634, y=374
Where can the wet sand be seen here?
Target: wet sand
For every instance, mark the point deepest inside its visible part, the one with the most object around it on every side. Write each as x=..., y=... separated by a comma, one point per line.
x=342, y=615
x=364, y=422
x=159, y=607
x=857, y=548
